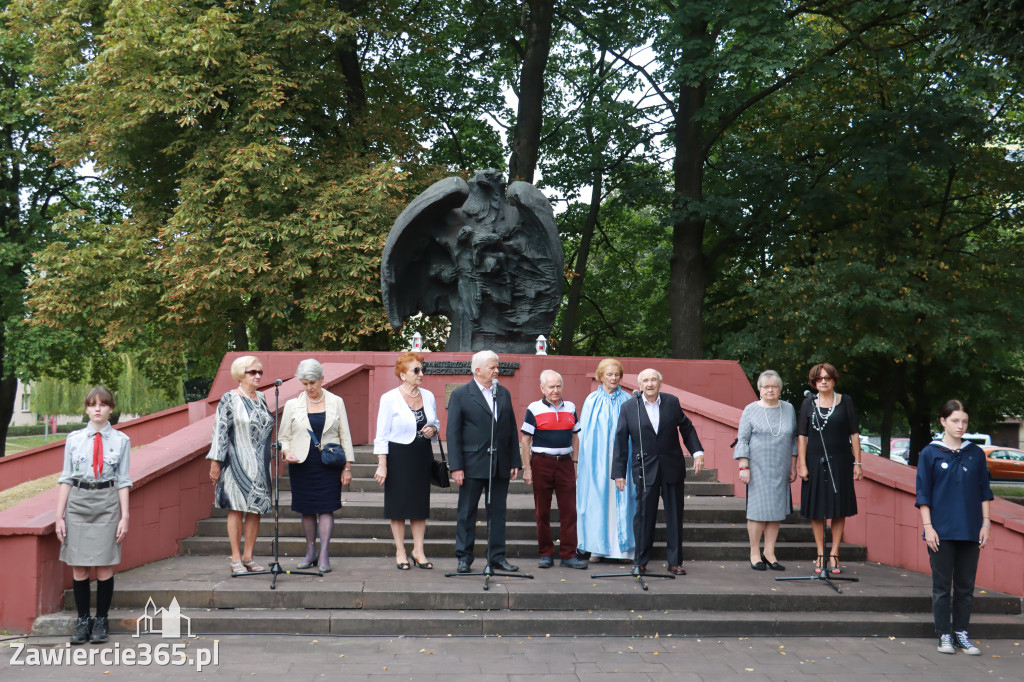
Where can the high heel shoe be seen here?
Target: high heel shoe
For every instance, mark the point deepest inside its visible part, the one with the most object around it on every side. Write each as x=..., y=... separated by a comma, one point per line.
x=422, y=564
x=818, y=563
x=834, y=559
x=774, y=565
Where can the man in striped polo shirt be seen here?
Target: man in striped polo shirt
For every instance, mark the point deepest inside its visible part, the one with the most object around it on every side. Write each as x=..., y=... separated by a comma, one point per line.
x=550, y=448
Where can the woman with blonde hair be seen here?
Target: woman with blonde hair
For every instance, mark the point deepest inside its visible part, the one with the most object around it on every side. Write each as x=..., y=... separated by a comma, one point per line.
x=315, y=416
x=604, y=514
x=240, y=460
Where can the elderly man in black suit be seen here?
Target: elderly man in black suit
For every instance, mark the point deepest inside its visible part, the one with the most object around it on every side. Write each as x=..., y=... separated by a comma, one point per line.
x=656, y=421
x=475, y=412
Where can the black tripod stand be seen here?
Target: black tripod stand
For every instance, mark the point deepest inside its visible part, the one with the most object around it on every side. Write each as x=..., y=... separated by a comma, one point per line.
x=826, y=461
x=489, y=571
x=275, y=447
x=640, y=490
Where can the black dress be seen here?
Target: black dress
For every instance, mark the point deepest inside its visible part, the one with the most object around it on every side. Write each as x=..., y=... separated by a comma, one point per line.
x=407, y=486
x=817, y=498
x=316, y=489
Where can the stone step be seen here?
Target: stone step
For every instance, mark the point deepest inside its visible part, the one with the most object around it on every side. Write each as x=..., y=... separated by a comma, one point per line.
x=618, y=623
x=364, y=597
x=521, y=549
x=444, y=508
x=380, y=528
x=366, y=484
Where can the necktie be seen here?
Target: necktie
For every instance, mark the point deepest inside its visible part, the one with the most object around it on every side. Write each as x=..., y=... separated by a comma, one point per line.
x=97, y=455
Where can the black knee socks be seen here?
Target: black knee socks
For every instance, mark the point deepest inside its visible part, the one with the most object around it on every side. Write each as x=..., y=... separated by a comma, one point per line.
x=82, y=597
x=104, y=595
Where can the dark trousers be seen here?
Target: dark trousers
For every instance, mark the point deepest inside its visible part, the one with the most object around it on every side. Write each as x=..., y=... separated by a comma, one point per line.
x=558, y=477
x=465, y=532
x=671, y=495
x=955, y=565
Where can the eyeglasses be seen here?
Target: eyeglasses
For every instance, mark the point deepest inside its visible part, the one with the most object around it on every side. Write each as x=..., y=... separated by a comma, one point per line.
x=417, y=370
x=254, y=372
x=771, y=387
x=823, y=378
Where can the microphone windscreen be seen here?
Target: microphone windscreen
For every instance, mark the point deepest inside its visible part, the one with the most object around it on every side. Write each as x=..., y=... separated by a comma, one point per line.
x=636, y=394
x=494, y=383
x=278, y=382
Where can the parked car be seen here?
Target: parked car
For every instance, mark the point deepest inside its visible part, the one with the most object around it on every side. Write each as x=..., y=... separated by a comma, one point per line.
x=1004, y=463
x=870, y=448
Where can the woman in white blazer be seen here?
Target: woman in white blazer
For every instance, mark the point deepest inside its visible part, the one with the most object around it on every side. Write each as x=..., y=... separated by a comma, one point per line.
x=406, y=425
x=316, y=489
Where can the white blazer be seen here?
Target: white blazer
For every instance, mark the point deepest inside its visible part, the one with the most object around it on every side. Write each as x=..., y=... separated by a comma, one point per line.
x=295, y=420
x=397, y=423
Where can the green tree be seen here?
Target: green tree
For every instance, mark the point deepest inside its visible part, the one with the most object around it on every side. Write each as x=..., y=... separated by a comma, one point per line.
x=892, y=249
x=262, y=156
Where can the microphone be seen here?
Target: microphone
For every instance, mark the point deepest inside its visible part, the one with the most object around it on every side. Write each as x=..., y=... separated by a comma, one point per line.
x=636, y=394
x=811, y=395
x=494, y=383
x=278, y=382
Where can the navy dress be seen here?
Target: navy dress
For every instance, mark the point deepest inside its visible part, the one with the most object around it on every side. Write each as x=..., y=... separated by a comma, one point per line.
x=316, y=489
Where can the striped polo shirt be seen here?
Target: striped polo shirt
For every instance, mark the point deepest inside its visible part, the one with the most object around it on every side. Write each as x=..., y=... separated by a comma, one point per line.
x=551, y=427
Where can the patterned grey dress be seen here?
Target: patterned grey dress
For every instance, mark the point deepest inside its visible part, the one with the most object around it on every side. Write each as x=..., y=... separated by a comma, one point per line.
x=767, y=438
x=241, y=443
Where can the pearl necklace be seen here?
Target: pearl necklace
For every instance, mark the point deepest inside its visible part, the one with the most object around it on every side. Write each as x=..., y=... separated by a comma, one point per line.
x=316, y=402
x=401, y=387
x=772, y=431
x=821, y=422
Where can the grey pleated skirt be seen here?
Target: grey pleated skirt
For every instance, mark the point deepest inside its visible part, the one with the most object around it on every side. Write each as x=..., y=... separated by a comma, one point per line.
x=91, y=519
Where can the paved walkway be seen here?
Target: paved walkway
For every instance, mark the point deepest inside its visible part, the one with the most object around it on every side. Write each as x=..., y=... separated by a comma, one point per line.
x=270, y=658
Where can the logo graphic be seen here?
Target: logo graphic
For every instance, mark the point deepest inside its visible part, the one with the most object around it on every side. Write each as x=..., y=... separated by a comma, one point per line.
x=170, y=621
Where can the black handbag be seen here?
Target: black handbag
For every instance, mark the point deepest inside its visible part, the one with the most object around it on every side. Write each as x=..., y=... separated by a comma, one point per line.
x=439, y=470
x=332, y=454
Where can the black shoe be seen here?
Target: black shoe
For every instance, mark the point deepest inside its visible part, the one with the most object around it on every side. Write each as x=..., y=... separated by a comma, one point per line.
x=463, y=566
x=774, y=565
x=83, y=628
x=100, y=630
x=546, y=562
x=504, y=565
x=759, y=566
x=574, y=562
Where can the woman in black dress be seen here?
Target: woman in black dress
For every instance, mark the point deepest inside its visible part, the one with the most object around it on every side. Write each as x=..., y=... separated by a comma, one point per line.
x=828, y=446
x=406, y=424
x=316, y=489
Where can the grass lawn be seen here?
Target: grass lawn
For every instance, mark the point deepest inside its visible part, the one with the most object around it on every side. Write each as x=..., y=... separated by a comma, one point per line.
x=22, y=443
x=1013, y=493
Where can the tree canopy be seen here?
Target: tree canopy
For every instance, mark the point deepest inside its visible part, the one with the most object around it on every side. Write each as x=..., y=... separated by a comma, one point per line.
x=780, y=183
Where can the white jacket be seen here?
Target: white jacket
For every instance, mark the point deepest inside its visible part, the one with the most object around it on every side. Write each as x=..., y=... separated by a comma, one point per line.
x=396, y=422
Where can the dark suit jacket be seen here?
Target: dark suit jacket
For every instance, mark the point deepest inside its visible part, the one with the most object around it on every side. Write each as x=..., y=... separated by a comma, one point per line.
x=664, y=455
x=469, y=432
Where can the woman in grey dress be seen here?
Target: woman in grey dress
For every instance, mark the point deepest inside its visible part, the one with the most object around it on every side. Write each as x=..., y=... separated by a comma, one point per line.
x=240, y=460
x=766, y=449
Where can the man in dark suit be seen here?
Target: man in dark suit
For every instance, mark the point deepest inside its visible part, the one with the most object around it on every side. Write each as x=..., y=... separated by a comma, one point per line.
x=475, y=411
x=661, y=423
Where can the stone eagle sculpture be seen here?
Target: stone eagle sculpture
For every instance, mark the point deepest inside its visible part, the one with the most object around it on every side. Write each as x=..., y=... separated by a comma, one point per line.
x=493, y=265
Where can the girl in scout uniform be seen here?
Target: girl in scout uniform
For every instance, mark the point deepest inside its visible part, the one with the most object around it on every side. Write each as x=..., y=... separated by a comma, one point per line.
x=92, y=511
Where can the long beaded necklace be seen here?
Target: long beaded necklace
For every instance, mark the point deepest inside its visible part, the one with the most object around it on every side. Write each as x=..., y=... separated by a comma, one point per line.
x=819, y=418
x=772, y=431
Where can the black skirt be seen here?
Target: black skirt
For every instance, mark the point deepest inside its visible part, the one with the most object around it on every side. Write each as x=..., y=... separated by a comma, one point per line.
x=407, y=486
x=316, y=489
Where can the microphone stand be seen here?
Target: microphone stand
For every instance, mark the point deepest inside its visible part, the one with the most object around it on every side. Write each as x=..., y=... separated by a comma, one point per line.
x=275, y=566
x=640, y=493
x=489, y=571
x=827, y=462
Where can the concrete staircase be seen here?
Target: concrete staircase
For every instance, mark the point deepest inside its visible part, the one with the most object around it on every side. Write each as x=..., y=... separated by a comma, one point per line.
x=367, y=595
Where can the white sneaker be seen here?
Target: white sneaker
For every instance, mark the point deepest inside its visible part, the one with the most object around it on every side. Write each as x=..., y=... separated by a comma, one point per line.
x=960, y=641
x=946, y=644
